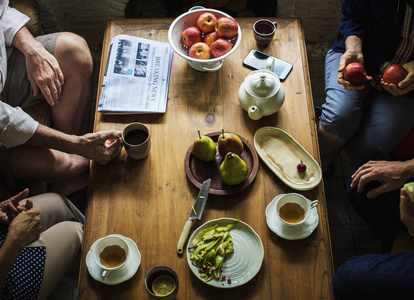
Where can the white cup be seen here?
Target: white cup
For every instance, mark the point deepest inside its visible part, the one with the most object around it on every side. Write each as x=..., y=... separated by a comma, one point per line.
x=110, y=253
x=294, y=209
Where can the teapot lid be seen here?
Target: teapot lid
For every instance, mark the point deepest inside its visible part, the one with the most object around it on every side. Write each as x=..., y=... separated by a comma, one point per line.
x=262, y=84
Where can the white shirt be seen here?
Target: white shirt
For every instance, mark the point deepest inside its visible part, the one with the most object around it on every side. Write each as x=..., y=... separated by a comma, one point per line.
x=16, y=126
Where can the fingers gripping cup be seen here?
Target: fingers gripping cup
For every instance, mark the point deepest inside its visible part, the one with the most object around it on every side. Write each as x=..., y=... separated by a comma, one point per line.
x=110, y=253
x=137, y=140
x=294, y=209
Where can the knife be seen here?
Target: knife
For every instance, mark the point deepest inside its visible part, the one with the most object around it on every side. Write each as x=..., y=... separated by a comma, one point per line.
x=196, y=213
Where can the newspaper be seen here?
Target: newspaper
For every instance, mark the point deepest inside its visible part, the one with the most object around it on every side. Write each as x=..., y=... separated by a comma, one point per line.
x=137, y=76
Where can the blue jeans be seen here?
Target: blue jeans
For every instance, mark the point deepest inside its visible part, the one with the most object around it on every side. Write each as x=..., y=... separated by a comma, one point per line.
x=377, y=276
x=372, y=122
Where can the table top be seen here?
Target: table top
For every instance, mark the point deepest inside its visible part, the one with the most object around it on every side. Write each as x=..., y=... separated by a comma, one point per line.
x=150, y=200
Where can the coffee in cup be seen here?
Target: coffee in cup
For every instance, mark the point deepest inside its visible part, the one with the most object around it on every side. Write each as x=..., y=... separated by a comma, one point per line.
x=137, y=141
x=264, y=31
x=110, y=253
x=294, y=209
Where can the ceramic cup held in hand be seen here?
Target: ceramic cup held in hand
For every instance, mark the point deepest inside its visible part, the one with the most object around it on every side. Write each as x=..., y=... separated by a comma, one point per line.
x=294, y=209
x=110, y=254
x=161, y=282
x=137, y=140
x=264, y=30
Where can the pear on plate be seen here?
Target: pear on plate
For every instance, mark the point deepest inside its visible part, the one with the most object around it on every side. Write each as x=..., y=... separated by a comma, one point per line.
x=229, y=142
x=203, y=148
x=233, y=170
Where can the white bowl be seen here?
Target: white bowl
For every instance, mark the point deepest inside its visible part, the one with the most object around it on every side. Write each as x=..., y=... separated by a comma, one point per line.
x=189, y=19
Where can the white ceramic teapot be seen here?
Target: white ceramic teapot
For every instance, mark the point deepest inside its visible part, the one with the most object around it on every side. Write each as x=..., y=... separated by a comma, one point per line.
x=261, y=94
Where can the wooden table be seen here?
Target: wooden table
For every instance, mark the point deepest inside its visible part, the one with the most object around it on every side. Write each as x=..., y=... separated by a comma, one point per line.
x=150, y=200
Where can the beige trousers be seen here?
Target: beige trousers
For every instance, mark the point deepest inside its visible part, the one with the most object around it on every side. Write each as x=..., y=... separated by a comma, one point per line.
x=62, y=225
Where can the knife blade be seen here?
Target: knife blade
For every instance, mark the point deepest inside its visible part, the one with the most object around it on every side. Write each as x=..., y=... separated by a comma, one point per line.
x=196, y=214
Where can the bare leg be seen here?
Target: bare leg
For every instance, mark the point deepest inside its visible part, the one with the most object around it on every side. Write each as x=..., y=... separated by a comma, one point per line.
x=68, y=171
x=330, y=146
x=75, y=60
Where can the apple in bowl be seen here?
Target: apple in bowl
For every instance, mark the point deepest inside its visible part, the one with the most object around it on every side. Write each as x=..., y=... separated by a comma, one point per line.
x=220, y=47
x=394, y=74
x=206, y=22
x=191, y=35
x=355, y=73
x=210, y=37
x=226, y=28
x=199, y=50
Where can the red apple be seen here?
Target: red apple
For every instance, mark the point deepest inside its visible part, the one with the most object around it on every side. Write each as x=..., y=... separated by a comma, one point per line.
x=206, y=22
x=199, y=50
x=210, y=37
x=394, y=74
x=190, y=36
x=355, y=73
x=226, y=28
x=220, y=47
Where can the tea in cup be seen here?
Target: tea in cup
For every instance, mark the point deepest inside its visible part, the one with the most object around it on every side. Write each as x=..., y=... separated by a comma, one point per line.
x=137, y=141
x=294, y=209
x=110, y=253
x=161, y=282
x=264, y=31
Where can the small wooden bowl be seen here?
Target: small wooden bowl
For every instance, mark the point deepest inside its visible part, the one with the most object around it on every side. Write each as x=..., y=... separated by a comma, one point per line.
x=198, y=171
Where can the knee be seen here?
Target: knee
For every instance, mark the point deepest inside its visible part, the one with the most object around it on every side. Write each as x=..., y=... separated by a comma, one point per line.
x=73, y=51
x=72, y=165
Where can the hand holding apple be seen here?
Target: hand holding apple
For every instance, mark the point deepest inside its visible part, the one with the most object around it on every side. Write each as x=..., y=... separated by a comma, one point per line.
x=355, y=74
x=394, y=74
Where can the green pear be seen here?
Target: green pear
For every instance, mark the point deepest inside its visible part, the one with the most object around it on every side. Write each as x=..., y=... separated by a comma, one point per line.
x=233, y=170
x=229, y=142
x=409, y=188
x=203, y=148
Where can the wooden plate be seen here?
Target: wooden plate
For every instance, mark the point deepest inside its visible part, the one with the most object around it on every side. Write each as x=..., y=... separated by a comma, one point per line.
x=198, y=171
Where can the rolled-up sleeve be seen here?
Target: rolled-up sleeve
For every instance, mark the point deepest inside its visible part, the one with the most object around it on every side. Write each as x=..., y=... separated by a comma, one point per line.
x=16, y=126
x=12, y=21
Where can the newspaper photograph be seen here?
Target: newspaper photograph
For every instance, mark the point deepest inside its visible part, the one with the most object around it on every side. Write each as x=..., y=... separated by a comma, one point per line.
x=137, y=76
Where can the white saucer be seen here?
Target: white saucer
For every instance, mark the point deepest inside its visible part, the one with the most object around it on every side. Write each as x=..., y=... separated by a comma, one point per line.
x=120, y=275
x=286, y=232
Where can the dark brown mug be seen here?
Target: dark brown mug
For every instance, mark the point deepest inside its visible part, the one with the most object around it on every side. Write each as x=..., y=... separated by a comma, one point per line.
x=264, y=30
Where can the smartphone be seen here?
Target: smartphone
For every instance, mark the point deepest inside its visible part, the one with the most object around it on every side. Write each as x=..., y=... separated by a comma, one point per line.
x=257, y=60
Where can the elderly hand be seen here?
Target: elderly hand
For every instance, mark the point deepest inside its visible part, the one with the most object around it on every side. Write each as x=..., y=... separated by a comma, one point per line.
x=405, y=86
x=25, y=228
x=390, y=174
x=407, y=212
x=44, y=73
x=101, y=146
x=10, y=208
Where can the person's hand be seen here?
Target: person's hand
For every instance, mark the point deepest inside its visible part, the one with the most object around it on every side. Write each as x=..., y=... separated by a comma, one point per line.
x=390, y=174
x=407, y=212
x=44, y=74
x=25, y=228
x=404, y=86
x=347, y=58
x=101, y=146
x=11, y=207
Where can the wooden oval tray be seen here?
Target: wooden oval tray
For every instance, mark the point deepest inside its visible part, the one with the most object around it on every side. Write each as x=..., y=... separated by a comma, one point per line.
x=198, y=171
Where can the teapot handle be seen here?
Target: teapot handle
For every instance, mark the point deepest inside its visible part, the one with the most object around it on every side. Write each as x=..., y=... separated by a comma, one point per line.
x=270, y=63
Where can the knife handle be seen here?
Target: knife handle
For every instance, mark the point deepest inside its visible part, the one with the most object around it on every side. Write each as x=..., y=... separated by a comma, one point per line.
x=184, y=236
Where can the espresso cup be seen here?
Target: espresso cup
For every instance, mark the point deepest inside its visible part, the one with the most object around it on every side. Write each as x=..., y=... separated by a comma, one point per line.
x=161, y=282
x=264, y=30
x=294, y=209
x=137, y=140
x=110, y=254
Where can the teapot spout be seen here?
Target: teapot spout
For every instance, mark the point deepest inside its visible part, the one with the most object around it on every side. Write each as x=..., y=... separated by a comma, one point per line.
x=254, y=113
